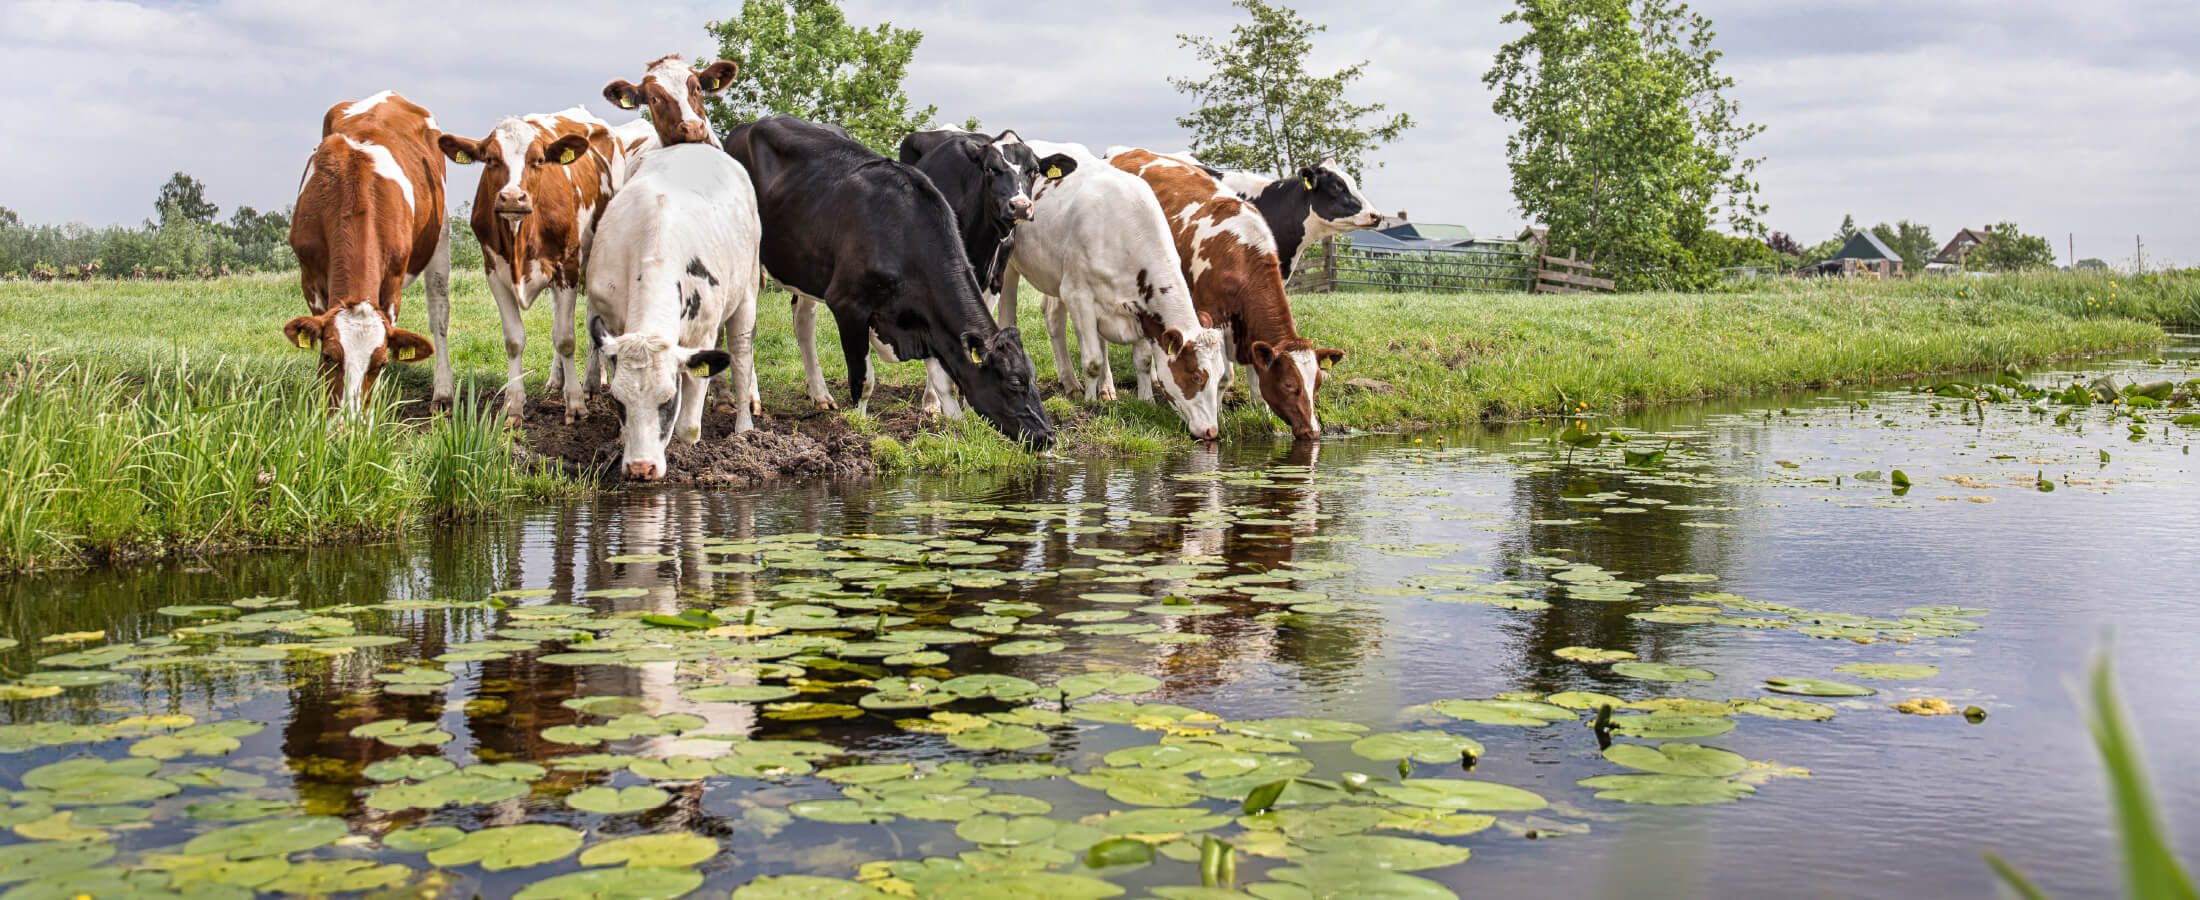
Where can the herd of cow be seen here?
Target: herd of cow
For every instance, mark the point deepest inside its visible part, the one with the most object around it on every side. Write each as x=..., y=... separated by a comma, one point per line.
x=672, y=229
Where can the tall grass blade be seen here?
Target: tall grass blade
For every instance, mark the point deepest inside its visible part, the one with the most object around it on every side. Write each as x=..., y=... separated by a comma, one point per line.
x=2151, y=869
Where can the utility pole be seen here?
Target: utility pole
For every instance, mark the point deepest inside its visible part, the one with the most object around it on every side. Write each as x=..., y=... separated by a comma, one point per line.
x=2072, y=237
x=2139, y=253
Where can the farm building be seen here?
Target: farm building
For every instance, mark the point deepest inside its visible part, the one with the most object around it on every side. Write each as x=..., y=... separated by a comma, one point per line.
x=1864, y=252
x=1950, y=257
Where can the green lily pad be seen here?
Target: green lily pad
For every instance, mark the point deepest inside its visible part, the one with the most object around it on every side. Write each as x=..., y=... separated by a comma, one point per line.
x=1420, y=746
x=1661, y=671
x=457, y=789
x=401, y=768
x=68, y=678
x=238, y=809
x=1667, y=790
x=806, y=887
x=1591, y=654
x=630, y=883
x=21, y=862
x=273, y=837
x=422, y=839
x=677, y=768
x=1398, y=854
x=1298, y=730
x=1783, y=708
x=1460, y=793
x=650, y=850
x=999, y=687
x=738, y=693
x=1337, y=878
x=1889, y=671
x=1583, y=700
x=1159, y=821
x=1817, y=687
x=617, y=801
x=332, y=876
x=1007, y=831
x=999, y=737
x=1027, y=648
x=1658, y=726
x=1524, y=713
x=1675, y=758
x=400, y=733
x=509, y=847
x=1140, y=787
x=1024, y=886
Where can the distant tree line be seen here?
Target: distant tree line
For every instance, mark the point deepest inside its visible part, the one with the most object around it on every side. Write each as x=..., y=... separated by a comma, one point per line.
x=187, y=238
x=2006, y=248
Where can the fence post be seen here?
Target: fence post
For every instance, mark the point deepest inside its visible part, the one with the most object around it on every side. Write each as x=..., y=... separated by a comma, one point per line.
x=1329, y=264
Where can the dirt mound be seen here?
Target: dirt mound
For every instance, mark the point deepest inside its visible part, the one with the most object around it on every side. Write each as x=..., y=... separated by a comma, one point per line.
x=819, y=443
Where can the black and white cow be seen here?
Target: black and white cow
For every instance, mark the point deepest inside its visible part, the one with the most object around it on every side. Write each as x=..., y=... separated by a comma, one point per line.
x=873, y=240
x=1317, y=202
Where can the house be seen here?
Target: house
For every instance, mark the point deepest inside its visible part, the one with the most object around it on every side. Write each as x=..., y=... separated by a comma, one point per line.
x=1958, y=247
x=1397, y=234
x=1871, y=255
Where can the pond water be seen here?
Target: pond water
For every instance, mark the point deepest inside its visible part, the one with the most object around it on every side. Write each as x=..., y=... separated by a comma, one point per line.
x=1171, y=637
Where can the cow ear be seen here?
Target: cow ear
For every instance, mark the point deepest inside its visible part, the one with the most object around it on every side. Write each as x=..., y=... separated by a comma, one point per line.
x=1206, y=320
x=1058, y=165
x=716, y=76
x=461, y=150
x=974, y=346
x=1306, y=177
x=304, y=331
x=1264, y=354
x=407, y=347
x=622, y=94
x=599, y=336
x=1327, y=357
x=706, y=363
x=566, y=149
x=1172, y=342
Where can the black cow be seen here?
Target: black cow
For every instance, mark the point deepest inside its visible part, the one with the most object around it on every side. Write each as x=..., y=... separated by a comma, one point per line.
x=872, y=239
x=988, y=182
x=1321, y=201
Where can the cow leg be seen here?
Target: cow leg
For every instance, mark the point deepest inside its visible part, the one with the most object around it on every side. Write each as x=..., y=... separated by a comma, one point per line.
x=515, y=343
x=855, y=346
x=1092, y=349
x=692, y=398
x=594, y=379
x=938, y=386
x=805, y=336
x=564, y=375
x=721, y=392
x=741, y=342
x=438, y=290
x=1229, y=365
x=1004, y=306
x=1142, y=365
x=1057, y=315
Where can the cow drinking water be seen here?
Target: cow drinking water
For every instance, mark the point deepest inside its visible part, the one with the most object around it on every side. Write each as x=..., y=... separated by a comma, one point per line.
x=873, y=240
x=369, y=220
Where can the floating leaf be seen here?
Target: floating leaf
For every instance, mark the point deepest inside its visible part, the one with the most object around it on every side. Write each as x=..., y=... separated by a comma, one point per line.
x=1667, y=790
x=647, y=850
x=1661, y=726
x=333, y=876
x=1420, y=746
x=999, y=737
x=1399, y=854
x=1676, y=758
x=1525, y=713
x=1817, y=687
x=999, y=687
x=1661, y=671
x=1027, y=648
x=737, y=693
x=1583, y=700
x=273, y=837
x=422, y=839
x=1591, y=654
x=400, y=733
x=509, y=847
x=1298, y=730
x=1784, y=708
x=21, y=862
x=1460, y=793
x=806, y=887
x=1889, y=671
x=413, y=767
x=632, y=883
x=617, y=801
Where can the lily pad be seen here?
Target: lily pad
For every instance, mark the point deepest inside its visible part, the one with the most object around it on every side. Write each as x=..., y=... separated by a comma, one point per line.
x=332, y=876
x=22, y=862
x=1817, y=687
x=1889, y=671
x=1524, y=713
x=617, y=801
x=1298, y=730
x=422, y=839
x=510, y=847
x=806, y=887
x=1592, y=654
x=1676, y=758
x=1661, y=671
x=631, y=883
x=1659, y=726
x=273, y=837
x=1398, y=854
x=648, y=850
x=1460, y=793
x=1420, y=746
x=1783, y=708
x=1027, y=648
x=1667, y=790
x=738, y=693
x=1583, y=700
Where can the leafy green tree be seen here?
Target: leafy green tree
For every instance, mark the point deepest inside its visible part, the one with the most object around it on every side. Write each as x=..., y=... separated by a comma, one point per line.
x=1848, y=227
x=258, y=234
x=183, y=198
x=1260, y=110
x=2007, y=249
x=802, y=58
x=8, y=218
x=1909, y=240
x=1628, y=148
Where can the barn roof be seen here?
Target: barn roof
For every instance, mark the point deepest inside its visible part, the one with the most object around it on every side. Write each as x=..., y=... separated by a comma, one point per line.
x=1866, y=245
x=1429, y=231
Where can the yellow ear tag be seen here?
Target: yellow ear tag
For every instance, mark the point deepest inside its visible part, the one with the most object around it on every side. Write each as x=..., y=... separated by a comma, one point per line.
x=1309, y=182
x=407, y=354
x=700, y=370
x=626, y=102
x=567, y=156
x=464, y=157
x=713, y=85
x=975, y=359
x=1326, y=362
x=1054, y=171
x=303, y=341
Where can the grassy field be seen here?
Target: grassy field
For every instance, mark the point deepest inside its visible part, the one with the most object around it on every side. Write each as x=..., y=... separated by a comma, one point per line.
x=173, y=414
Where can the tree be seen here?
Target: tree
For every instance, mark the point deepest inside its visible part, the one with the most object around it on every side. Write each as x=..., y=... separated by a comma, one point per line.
x=802, y=58
x=1783, y=243
x=2008, y=250
x=1628, y=148
x=8, y=218
x=1260, y=110
x=1909, y=240
x=183, y=198
x=1848, y=227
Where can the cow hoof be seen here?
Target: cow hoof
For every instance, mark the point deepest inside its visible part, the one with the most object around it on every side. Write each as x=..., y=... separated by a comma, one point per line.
x=571, y=418
x=511, y=420
x=439, y=404
x=1107, y=396
x=756, y=409
x=724, y=409
x=824, y=405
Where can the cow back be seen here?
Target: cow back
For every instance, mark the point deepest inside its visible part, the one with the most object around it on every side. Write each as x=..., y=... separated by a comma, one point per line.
x=371, y=202
x=1227, y=252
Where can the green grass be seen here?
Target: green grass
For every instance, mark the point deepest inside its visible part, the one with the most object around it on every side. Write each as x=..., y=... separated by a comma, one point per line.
x=149, y=406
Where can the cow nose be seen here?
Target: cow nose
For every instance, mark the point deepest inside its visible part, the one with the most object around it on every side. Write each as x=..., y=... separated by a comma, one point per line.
x=1021, y=206
x=1209, y=434
x=514, y=202
x=642, y=471
x=694, y=131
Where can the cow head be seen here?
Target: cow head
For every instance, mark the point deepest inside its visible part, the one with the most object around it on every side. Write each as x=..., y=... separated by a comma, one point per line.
x=516, y=159
x=648, y=374
x=996, y=379
x=1010, y=169
x=1189, y=370
x=1335, y=200
x=1288, y=372
x=673, y=94
x=356, y=341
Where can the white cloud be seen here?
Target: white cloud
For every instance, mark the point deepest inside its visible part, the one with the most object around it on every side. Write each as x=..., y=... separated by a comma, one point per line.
x=2064, y=118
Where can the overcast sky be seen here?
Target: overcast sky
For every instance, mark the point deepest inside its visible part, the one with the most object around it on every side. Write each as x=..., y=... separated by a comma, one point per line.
x=2064, y=117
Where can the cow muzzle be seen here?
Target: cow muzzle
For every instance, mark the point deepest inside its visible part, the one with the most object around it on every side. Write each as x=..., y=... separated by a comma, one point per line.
x=694, y=132
x=1019, y=209
x=642, y=471
x=514, y=203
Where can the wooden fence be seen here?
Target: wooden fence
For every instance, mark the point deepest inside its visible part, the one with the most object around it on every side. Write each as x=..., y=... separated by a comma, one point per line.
x=1490, y=266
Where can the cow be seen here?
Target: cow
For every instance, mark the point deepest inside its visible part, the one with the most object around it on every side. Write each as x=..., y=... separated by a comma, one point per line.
x=1322, y=202
x=1100, y=249
x=545, y=182
x=369, y=220
x=988, y=183
x=673, y=94
x=676, y=261
x=873, y=240
x=1229, y=259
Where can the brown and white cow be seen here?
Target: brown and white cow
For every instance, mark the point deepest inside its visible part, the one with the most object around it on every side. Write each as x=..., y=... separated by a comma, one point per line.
x=369, y=220
x=545, y=181
x=1229, y=259
x=673, y=93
